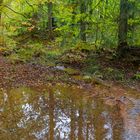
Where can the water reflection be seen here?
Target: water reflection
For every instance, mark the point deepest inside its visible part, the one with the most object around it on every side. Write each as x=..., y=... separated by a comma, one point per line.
x=58, y=113
x=131, y=116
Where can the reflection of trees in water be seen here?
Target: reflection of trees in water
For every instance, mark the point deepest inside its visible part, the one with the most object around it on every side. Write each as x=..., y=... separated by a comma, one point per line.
x=73, y=119
x=51, y=116
x=58, y=114
x=117, y=123
x=130, y=113
x=80, y=122
x=98, y=121
x=80, y=112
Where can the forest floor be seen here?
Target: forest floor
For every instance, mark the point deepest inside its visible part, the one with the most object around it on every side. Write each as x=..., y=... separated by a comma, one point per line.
x=104, y=71
x=31, y=63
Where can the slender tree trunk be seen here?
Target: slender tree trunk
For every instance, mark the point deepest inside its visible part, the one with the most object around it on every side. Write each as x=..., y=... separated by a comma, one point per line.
x=50, y=18
x=82, y=22
x=1, y=2
x=131, y=27
x=1, y=26
x=123, y=25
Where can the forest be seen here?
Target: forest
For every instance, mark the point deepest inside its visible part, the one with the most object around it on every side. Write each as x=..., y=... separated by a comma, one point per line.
x=72, y=54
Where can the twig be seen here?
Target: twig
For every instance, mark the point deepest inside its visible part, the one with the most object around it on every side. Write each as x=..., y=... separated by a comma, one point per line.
x=14, y=11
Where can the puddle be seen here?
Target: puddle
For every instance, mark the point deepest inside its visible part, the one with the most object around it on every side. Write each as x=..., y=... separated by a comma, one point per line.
x=65, y=112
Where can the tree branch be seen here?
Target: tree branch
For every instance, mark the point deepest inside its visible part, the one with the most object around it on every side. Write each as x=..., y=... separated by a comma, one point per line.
x=15, y=11
x=30, y=5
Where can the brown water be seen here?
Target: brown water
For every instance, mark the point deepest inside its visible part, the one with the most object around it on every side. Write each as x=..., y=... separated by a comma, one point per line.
x=65, y=112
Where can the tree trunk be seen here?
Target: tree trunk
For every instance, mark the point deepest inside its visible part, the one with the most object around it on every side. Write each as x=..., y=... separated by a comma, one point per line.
x=123, y=25
x=50, y=18
x=131, y=27
x=1, y=2
x=1, y=26
x=82, y=22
